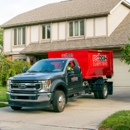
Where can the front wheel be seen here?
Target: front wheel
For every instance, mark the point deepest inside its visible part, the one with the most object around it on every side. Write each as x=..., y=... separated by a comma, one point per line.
x=15, y=108
x=104, y=92
x=59, y=101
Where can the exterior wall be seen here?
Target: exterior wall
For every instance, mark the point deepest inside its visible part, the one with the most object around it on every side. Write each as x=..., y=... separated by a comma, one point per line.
x=55, y=31
x=100, y=26
x=116, y=17
x=90, y=28
x=17, y=49
x=34, y=34
x=58, y=31
x=7, y=40
x=96, y=27
x=62, y=31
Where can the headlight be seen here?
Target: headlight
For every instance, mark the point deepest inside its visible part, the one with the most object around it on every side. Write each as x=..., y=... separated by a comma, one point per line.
x=45, y=86
x=8, y=85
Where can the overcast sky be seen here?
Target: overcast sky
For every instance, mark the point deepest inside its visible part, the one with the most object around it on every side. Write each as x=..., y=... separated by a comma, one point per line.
x=11, y=8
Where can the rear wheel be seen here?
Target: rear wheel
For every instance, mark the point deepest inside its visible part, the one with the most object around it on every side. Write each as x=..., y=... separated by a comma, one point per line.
x=15, y=108
x=59, y=101
x=96, y=94
x=104, y=92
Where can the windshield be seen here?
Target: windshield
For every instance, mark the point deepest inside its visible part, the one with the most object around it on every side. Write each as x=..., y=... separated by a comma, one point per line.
x=48, y=66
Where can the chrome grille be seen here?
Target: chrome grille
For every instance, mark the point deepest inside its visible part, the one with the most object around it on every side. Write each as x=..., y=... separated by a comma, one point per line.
x=31, y=86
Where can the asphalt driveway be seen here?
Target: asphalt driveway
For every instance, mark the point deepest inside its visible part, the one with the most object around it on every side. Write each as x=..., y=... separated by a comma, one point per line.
x=85, y=113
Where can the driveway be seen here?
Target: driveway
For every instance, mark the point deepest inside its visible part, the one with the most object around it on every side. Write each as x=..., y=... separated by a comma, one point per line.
x=84, y=113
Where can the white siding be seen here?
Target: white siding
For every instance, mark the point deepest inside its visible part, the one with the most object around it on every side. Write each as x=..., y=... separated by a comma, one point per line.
x=90, y=27
x=55, y=31
x=34, y=33
x=116, y=17
x=18, y=49
x=121, y=76
x=62, y=31
x=100, y=26
x=7, y=40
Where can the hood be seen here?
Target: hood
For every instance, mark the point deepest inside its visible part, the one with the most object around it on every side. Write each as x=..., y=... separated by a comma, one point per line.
x=35, y=76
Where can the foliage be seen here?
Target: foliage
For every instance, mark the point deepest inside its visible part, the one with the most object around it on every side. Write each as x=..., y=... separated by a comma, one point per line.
x=10, y=68
x=126, y=54
x=19, y=65
x=1, y=37
x=118, y=121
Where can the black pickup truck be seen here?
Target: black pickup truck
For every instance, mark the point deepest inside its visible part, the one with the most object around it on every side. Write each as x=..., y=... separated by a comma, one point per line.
x=46, y=82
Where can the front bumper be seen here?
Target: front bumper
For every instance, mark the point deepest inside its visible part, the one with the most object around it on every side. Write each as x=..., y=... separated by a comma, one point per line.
x=29, y=100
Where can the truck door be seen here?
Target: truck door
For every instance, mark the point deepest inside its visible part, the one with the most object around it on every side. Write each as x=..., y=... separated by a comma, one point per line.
x=74, y=78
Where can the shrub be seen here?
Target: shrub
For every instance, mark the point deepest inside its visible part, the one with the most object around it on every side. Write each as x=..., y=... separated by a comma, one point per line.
x=10, y=68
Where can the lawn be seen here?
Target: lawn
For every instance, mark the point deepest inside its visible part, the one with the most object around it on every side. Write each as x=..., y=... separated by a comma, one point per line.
x=3, y=97
x=118, y=121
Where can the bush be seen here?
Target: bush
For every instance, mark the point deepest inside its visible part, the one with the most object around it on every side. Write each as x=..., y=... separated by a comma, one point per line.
x=10, y=68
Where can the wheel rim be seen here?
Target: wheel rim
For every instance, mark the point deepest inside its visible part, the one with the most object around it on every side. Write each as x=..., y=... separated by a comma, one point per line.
x=105, y=90
x=61, y=101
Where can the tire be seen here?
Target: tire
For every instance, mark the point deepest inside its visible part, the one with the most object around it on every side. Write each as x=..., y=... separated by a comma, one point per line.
x=15, y=108
x=104, y=92
x=96, y=94
x=59, y=101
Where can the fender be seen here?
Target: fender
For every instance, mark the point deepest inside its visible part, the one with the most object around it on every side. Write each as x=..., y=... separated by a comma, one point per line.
x=57, y=83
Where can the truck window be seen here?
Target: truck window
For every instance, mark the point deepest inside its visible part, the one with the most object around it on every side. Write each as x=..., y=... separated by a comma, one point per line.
x=48, y=66
x=70, y=66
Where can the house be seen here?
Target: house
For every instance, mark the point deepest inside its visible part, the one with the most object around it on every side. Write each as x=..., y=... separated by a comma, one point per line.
x=72, y=24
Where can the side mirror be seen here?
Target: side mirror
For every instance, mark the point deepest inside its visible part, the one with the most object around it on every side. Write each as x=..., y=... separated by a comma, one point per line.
x=24, y=70
x=77, y=70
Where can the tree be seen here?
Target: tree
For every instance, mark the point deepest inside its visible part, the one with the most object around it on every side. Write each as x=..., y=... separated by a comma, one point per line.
x=126, y=54
x=1, y=37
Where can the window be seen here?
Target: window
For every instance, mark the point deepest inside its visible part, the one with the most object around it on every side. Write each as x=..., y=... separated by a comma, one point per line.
x=19, y=36
x=46, y=31
x=76, y=28
x=15, y=36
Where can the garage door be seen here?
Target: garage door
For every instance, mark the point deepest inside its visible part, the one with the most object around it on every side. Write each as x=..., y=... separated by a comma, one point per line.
x=121, y=75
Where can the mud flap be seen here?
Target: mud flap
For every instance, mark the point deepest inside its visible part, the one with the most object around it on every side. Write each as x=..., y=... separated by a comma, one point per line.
x=110, y=88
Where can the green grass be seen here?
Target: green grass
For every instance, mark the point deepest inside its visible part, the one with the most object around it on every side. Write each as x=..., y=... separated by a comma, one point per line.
x=3, y=97
x=118, y=121
x=3, y=105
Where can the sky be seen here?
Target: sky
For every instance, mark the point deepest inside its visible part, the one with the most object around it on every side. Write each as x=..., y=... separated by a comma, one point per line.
x=11, y=8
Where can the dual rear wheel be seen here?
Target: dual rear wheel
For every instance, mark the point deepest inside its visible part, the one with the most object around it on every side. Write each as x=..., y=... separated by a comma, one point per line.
x=102, y=94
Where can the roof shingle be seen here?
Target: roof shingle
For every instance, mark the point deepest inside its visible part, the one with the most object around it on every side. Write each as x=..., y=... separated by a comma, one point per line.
x=63, y=10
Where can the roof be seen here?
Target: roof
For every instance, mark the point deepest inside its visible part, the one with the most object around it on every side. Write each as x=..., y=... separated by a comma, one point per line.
x=63, y=11
x=117, y=39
